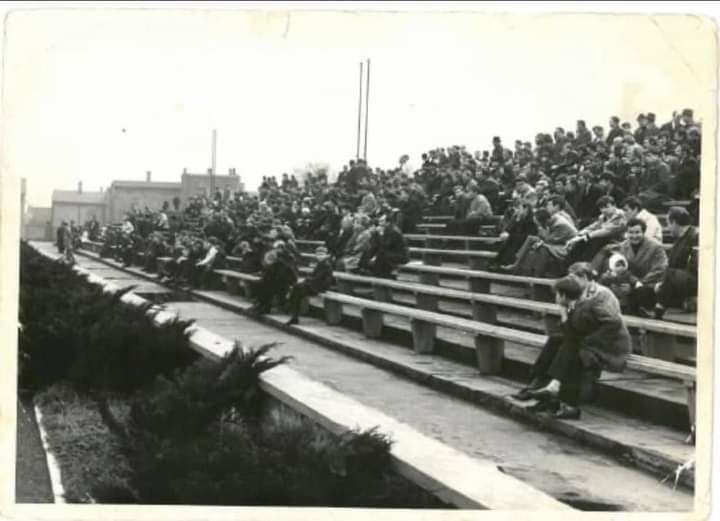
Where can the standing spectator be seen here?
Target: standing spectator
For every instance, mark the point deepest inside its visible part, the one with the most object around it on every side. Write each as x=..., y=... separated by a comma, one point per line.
x=615, y=130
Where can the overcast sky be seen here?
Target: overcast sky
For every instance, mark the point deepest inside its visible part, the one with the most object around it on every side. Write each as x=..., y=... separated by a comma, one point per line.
x=282, y=90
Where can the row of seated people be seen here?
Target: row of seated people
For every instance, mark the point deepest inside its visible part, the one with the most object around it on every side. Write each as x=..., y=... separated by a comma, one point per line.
x=373, y=246
x=623, y=245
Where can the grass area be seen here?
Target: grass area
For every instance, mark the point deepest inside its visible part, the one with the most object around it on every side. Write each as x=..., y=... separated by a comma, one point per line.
x=90, y=456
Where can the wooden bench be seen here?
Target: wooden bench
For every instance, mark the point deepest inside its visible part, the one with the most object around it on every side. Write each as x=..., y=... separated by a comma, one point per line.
x=476, y=259
x=470, y=242
x=657, y=337
x=489, y=340
x=479, y=281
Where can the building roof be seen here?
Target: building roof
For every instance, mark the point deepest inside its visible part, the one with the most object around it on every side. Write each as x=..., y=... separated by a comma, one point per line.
x=145, y=184
x=73, y=196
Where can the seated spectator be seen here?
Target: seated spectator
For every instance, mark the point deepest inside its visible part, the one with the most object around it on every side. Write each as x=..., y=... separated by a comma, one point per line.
x=387, y=251
x=593, y=338
x=524, y=191
x=214, y=260
x=680, y=280
x=250, y=258
x=646, y=264
x=516, y=228
x=277, y=278
x=608, y=186
x=608, y=228
x=357, y=246
x=368, y=203
x=477, y=213
x=557, y=204
x=544, y=255
x=584, y=200
x=633, y=208
x=318, y=281
x=619, y=280
x=336, y=243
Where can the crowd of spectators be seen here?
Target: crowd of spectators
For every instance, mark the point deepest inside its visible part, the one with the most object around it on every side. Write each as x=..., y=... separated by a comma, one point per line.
x=588, y=195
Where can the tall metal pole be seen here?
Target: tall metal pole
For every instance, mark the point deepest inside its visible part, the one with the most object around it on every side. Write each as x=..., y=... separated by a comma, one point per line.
x=214, y=164
x=357, y=150
x=367, y=106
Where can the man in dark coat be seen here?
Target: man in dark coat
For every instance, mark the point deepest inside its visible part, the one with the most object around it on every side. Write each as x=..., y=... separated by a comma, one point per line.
x=318, y=281
x=594, y=338
x=277, y=278
x=584, y=200
x=387, y=251
x=680, y=280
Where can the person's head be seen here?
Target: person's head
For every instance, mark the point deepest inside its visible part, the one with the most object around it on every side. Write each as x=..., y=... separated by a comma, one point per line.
x=555, y=204
x=687, y=116
x=581, y=125
x=614, y=122
x=642, y=120
x=541, y=186
x=632, y=206
x=606, y=205
x=636, y=231
x=472, y=188
x=567, y=289
x=617, y=264
x=458, y=191
x=541, y=217
x=607, y=181
x=598, y=131
x=521, y=183
x=582, y=181
x=321, y=253
x=678, y=220
x=583, y=272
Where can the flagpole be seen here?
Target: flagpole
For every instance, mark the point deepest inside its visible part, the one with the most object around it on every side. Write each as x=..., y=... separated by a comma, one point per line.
x=359, y=123
x=367, y=106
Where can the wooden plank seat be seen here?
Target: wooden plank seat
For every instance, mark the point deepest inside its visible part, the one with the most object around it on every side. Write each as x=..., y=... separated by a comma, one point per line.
x=479, y=281
x=489, y=337
x=476, y=259
x=657, y=338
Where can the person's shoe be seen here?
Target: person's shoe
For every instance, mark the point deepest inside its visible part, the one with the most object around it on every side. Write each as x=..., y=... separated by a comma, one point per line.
x=543, y=406
x=658, y=312
x=293, y=321
x=550, y=390
x=508, y=268
x=567, y=412
x=525, y=393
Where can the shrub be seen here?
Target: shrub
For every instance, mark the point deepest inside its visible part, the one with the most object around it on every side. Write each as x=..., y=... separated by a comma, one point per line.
x=72, y=329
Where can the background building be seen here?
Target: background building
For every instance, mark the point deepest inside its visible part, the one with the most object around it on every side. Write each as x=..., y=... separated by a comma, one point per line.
x=78, y=206
x=124, y=196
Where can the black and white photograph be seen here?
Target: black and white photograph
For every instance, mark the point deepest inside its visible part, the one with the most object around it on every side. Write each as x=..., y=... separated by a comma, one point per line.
x=269, y=261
